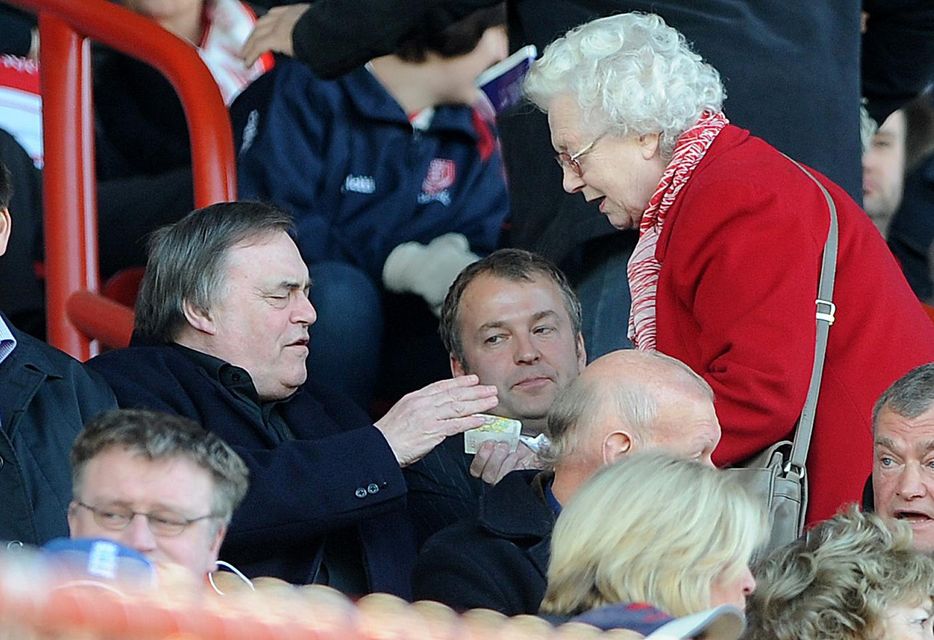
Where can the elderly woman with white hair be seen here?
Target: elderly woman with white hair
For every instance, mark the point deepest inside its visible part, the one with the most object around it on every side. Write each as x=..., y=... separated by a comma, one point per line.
x=653, y=530
x=725, y=274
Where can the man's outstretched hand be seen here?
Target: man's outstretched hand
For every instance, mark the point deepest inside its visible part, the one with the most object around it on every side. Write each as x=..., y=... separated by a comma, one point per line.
x=421, y=420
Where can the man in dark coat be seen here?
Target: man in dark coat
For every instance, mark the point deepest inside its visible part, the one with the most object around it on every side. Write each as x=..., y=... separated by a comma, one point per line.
x=222, y=322
x=46, y=397
x=512, y=319
x=623, y=402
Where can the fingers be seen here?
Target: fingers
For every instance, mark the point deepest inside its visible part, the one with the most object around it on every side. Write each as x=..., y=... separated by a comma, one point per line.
x=273, y=32
x=421, y=419
x=526, y=458
x=493, y=461
x=489, y=460
x=452, y=398
x=451, y=385
x=254, y=47
x=453, y=426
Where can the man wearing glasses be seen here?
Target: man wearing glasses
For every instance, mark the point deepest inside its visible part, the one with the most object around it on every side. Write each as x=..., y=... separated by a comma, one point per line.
x=156, y=483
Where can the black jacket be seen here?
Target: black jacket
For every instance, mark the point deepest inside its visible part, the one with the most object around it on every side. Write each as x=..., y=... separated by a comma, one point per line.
x=498, y=560
x=441, y=489
x=338, y=471
x=912, y=231
x=46, y=397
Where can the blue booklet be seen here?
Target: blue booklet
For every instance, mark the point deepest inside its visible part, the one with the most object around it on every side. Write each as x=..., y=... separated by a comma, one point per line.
x=502, y=83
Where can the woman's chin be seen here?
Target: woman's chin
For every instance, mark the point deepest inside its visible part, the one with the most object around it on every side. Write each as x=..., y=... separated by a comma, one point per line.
x=620, y=222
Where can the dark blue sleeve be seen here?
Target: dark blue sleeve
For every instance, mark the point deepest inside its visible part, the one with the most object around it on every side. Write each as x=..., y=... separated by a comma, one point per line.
x=337, y=36
x=486, y=208
x=276, y=121
x=299, y=489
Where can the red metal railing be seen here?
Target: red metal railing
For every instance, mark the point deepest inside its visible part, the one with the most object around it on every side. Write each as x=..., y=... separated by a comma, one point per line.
x=70, y=204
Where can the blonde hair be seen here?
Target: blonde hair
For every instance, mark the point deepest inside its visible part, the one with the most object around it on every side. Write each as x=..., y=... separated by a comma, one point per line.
x=838, y=581
x=651, y=528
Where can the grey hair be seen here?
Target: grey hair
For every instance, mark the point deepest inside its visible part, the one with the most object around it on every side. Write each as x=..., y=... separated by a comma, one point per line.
x=516, y=265
x=161, y=436
x=187, y=258
x=838, y=581
x=630, y=74
x=633, y=401
x=909, y=396
x=580, y=406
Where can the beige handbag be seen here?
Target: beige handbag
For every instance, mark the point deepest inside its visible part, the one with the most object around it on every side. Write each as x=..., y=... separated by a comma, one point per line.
x=778, y=475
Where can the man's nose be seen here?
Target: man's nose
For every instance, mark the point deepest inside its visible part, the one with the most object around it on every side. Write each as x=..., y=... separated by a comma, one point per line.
x=304, y=312
x=526, y=349
x=138, y=535
x=909, y=484
x=870, y=161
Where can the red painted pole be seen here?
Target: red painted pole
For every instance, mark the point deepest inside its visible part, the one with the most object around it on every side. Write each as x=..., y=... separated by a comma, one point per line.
x=69, y=183
x=68, y=178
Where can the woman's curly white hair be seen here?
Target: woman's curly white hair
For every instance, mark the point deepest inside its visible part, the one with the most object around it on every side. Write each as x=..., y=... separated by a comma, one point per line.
x=630, y=74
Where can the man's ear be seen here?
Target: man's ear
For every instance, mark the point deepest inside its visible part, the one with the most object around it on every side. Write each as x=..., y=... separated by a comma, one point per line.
x=72, y=518
x=6, y=223
x=215, y=548
x=219, y=536
x=649, y=144
x=581, y=353
x=199, y=319
x=616, y=445
x=457, y=369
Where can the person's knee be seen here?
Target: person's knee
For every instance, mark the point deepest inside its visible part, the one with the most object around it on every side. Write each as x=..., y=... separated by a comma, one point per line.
x=339, y=285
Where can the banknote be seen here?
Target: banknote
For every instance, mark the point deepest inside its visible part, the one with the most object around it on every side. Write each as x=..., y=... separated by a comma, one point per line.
x=494, y=428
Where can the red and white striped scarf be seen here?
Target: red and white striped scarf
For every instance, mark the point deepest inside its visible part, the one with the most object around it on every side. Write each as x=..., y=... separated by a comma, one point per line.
x=228, y=24
x=643, y=266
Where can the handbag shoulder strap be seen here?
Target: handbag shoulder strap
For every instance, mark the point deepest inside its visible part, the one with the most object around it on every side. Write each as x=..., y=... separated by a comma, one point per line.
x=825, y=316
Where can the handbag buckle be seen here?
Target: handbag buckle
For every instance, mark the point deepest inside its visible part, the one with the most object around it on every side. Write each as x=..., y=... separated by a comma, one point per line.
x=828, y=315
x=797, y=469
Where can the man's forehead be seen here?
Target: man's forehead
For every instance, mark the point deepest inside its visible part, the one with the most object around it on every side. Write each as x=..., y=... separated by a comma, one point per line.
x=897, y=432
x=495, y=292
x=133, y=478
x=281, y=258
x=693, y=432
x=140, y=465
x=686, y=413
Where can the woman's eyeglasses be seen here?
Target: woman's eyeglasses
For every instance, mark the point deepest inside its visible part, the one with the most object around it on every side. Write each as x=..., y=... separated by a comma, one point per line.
x=571, y=161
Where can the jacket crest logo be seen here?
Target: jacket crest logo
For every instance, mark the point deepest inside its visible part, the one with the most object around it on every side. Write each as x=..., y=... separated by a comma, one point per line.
x=441, y=175
x=359, y=184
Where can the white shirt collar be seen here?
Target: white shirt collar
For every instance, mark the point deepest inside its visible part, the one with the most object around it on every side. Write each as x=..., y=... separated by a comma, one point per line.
x=7, y=341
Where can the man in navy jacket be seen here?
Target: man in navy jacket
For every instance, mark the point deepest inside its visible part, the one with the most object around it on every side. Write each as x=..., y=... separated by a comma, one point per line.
x=45, y=399
x=224, y=314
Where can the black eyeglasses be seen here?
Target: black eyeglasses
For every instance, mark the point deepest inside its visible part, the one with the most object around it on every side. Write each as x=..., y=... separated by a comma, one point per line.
x=571, y=161
x=161, y=523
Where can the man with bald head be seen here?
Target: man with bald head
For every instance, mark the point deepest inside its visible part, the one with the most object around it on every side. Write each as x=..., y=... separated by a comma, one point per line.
x=623, y=402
